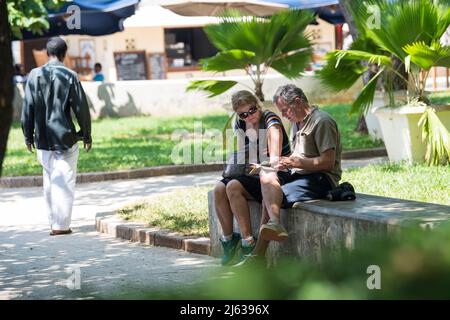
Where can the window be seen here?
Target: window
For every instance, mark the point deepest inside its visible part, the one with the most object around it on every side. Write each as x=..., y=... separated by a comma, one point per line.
x=186, y=46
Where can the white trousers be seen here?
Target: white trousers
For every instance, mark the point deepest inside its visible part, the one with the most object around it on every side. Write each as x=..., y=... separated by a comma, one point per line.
x=60, y=172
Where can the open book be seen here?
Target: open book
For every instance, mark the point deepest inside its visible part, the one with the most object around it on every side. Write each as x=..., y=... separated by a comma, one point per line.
x=255, y=168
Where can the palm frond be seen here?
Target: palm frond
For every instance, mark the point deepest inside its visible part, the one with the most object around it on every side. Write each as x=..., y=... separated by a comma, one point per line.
x=228, y=60
x=340, y=76
x=213, y=87
x=239, y=33
x=428, y=56
x=437, y=136
x=402, y=23
x=365, y=97
x=283, y=32
x=378, y=59
x=292, y=64
x=289, y=25
x=366, y=45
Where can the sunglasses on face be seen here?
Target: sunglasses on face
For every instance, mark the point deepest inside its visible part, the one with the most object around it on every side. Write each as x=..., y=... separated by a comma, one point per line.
x=244, y=115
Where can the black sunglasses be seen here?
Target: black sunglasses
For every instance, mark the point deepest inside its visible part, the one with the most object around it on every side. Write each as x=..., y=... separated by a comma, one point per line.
x=244, y=115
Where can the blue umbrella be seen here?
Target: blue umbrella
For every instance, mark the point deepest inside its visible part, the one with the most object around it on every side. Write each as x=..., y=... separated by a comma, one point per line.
x=320, y=7
x=97, y=17
x=306, y=4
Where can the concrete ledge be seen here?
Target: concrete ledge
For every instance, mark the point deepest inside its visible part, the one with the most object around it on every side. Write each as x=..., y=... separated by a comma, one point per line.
x=113, y=225
x=320, y=226
x=36, y=181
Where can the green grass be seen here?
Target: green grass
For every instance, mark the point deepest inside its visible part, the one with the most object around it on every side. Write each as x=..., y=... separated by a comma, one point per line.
x=350, y=139
x=442, y=97
x=186, y=210
x=418, y=182
x=120, y=143
x=137, y=142
x=183, y=211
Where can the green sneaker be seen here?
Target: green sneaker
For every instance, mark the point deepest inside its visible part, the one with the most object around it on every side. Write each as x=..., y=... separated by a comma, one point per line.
x=251, y=260
x=273, y=231
x=229, y=249
x=245, y=251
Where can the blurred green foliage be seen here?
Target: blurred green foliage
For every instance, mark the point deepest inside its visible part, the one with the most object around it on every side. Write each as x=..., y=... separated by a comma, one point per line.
x=414, y=264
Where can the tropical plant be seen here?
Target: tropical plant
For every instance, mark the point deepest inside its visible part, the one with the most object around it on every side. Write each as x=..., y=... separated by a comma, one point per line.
x=255, y=45
x=408, y=30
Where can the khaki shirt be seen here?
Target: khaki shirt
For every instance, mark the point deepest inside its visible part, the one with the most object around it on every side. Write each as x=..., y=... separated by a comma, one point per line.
x=319, y=134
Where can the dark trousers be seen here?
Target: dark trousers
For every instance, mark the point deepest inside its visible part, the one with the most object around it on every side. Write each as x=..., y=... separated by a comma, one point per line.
x=298, y=188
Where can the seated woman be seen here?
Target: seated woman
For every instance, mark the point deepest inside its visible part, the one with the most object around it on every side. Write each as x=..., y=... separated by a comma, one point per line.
x=231, y=195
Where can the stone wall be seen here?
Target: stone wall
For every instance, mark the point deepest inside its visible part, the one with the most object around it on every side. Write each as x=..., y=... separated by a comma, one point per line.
x=320, y=226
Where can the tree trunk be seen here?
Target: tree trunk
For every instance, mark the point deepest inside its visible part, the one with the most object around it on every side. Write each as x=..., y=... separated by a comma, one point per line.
x=346, y=11
x=6, y=85
x=344, y=5
x=258, y=91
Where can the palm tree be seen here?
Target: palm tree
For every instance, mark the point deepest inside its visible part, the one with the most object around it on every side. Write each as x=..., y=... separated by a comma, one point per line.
x=410, y=31
x=255, y=45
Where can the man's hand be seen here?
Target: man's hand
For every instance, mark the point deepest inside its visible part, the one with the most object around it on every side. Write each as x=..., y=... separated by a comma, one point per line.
x=87, y=146
x=289, y=162
x=30, y=147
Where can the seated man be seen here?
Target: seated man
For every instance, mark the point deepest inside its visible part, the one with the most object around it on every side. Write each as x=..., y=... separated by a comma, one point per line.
x=313, y=169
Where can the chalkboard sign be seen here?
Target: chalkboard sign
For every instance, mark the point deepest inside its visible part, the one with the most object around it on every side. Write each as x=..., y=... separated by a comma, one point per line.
x=158, y=65
x=131, y=65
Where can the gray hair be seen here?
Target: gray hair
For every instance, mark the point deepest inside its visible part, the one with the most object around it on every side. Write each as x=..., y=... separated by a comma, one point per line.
x=289, y=93
x=242, y=98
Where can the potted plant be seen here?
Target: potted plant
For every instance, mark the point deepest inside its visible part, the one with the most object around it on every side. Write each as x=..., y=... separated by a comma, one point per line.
x=409, y=32
x=255, y=45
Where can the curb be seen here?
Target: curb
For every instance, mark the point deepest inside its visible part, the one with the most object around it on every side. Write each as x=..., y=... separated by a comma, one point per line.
x=111, y=224
x=364, y=153
x=36, y=181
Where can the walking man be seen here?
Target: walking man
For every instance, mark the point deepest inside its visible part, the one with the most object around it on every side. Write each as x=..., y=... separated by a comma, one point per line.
x=52, y=92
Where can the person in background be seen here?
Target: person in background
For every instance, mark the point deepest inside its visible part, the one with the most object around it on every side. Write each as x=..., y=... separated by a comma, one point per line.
x=52, y=93
x=98, y=75
x=19, y=74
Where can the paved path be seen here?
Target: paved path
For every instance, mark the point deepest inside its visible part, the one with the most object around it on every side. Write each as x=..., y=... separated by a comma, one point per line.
x=34, y=265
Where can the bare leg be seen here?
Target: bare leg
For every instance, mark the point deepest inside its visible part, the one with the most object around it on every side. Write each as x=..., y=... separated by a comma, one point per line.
x=261, y=244
x=272, y=194
x=239, y=206
x=223, y=209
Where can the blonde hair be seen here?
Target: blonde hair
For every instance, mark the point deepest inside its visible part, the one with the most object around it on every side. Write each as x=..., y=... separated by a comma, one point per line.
x=242, y=98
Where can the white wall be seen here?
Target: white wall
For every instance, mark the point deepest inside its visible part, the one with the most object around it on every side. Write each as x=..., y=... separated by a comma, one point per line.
x=168, y=97
x=148, y=39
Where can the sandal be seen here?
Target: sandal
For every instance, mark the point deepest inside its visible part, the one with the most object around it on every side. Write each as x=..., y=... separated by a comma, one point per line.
x=60, y=232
